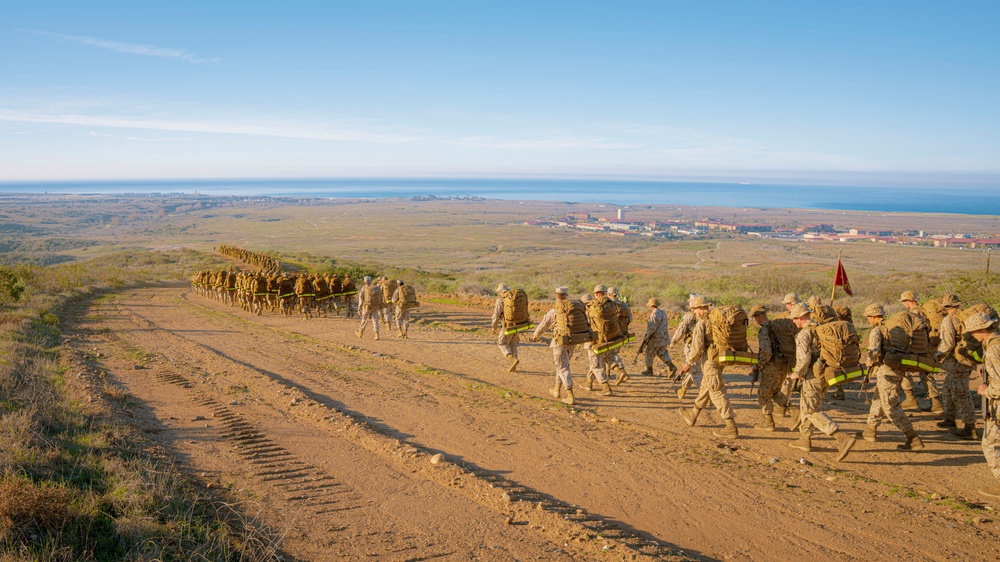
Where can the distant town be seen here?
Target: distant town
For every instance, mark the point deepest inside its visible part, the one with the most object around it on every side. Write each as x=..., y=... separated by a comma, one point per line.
x=679, y=229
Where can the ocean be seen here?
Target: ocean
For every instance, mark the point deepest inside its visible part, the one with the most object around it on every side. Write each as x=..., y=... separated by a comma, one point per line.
x=978, y=200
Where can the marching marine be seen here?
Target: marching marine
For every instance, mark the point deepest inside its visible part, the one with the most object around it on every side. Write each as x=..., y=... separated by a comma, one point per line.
x=712, y=388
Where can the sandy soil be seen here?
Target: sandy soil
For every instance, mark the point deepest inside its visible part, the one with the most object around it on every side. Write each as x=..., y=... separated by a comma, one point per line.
x=331, y=440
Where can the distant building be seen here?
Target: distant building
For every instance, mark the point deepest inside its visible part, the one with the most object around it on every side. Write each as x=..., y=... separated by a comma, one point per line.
x=621, y=214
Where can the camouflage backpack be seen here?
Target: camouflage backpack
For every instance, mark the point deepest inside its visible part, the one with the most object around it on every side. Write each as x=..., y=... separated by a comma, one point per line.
x=967, y=348
x=409, y=297
x=839, y=352
x=624, y=317
x=372, y=299
x=728, y=329
x=603, y=314
x=304, y=287
x=824, y=313
x=783, y=332
x=515, y=308
x=336, y=287
x=909, y=347
x=572, y=325
x=934, y=312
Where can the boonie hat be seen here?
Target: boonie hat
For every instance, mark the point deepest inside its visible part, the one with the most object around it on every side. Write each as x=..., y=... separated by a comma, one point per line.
x=600, y=289
x=502, y=288
x=791, y=298
x=979, y=321
x=799, y=310
x=951, y=300
x=908, y=296
x=562, y=290
x=759, y=309
x=613, y=291
x=653, y=301
x=698, y=301
x=874, y=310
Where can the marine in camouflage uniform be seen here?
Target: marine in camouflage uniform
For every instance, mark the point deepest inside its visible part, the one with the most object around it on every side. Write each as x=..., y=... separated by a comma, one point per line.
x=683, y=333
x=772, y=367
x=613, y=357
x=402, y=311
x=888, y=382
x=983, y=328
x=561, y=354
x=957, y=403
x=372, y=293
x=657, y=340
x=713, y=387
x=788, y=386
x=811, y=414
x=909, y=300
x=506, y=342
x=597, y=362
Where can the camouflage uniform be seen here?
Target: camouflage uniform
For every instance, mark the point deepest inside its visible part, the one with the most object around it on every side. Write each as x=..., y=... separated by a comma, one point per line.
x=713, y=387
x=773, y=369
x=597, y=363
x=926, y=378
x=658, y=338
x=506, y=343
x=372, y=313
x=561, y=354
x=888, y=382
x=683, y=333
x=813, y=387
x=402, y=312
x=613, y=358
x=957, y=401
x=991, y=433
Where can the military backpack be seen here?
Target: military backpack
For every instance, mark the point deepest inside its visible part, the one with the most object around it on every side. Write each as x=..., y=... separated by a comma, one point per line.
x=967, y=348
x=372, y=299
x=783, y=332
x=572, y=326
x=728, y=330
x=909, y=348
x=409, y=297
x=934, y=312
x=839, y=352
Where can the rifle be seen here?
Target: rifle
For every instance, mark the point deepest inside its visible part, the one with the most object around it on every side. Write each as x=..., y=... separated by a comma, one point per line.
x=642, y=347
x=754, y=377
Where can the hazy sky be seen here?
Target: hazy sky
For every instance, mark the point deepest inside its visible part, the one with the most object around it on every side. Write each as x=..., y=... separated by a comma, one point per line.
x=92, y=90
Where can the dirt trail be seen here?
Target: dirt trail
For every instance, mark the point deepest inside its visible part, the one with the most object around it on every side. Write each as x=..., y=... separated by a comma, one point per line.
x=332, y=435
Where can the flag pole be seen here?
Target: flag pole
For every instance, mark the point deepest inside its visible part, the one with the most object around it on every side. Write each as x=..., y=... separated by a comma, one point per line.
x=833, y=291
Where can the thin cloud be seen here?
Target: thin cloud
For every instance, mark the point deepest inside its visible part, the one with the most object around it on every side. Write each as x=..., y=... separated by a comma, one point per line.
x=331, y=131
x=128, y=48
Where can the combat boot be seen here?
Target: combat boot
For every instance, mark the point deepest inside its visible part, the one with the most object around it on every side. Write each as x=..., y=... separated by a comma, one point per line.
x=870, y=434
x=779, y=410
x=606, y=390
x=728, y=432
x=845, y=443
x=514, y=362
x=401, y=335
x=803, y=443
x=947, y=423
x=555, y=391
x=911, y=401
x=673, y=369
x=376, y=336
x=690, y=416
x=913, y=442
x=590, y=382
x=991, y=492
x=360, y=333
x=406, y=333
x=648, y=371
x=838, y=393
x=936, y=406
x=569, y=397
x=766, y=423
x=967, y=433
x=682, y=391
x=621, y=378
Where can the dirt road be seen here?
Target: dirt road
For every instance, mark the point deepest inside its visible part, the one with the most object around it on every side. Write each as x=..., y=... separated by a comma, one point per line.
x=331, y=439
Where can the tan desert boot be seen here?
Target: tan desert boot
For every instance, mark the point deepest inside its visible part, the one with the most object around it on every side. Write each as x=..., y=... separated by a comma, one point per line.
x=606, y=390
x=569, y=397
x=728, y=432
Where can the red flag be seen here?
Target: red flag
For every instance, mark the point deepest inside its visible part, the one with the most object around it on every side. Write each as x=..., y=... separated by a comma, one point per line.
x=841, y=279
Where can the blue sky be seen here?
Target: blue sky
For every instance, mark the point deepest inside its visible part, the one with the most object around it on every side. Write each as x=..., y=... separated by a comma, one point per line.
x=112, y=90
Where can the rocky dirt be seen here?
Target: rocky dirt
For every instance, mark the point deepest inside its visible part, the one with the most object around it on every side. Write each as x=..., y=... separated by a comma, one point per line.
x=427, y=448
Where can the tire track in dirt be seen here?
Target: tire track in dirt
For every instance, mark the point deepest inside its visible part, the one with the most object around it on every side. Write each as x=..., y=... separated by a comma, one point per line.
x=681, y=464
